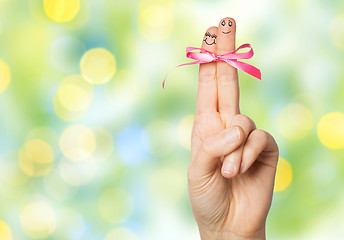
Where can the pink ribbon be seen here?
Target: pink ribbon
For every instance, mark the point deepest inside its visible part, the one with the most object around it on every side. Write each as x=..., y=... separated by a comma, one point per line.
x=230, y=58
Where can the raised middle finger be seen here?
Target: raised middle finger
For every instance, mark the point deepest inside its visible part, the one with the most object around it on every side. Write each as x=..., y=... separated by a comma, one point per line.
x=227, y=76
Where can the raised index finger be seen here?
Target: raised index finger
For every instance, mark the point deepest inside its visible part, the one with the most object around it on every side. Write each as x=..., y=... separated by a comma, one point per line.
x=227, y=76
x=207, y=88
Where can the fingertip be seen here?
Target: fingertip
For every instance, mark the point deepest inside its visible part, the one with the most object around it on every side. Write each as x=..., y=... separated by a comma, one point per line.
x=228, y=175
x=209, y=39
x=229, y=169
x=212, y=29
x=232, y=20
x=226, y=35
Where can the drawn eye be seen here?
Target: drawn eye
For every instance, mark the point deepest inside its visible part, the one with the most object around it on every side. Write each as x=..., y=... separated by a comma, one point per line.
x=230, y=23
x=223, y=23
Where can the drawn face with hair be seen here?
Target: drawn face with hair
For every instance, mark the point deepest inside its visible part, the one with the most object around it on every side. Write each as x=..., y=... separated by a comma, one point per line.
x=209, y=39
x=226, y=26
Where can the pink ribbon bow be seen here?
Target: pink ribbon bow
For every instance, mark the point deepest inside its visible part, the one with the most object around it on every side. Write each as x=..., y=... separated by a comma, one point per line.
x=230, y=58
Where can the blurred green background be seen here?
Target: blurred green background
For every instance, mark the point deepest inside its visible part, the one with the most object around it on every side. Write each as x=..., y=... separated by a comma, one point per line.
x=92, y=148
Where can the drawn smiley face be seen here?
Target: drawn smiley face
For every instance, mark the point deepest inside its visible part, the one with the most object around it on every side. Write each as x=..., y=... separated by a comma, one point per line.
x=209, y=39
x=226, y=26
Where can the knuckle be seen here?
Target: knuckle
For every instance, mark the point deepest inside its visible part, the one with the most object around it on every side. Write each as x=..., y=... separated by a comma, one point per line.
x=273, y=141
x=210, y=75
x=261, y=134
x=227, y=77
x=244, y=120
x=241, y=118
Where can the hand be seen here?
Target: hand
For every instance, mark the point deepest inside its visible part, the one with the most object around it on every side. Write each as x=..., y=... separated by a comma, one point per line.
x=233, y=164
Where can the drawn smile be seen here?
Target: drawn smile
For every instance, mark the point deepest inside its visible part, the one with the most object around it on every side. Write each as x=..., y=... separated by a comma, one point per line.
x=205, y=40
x=212, y=39
x=226, y=32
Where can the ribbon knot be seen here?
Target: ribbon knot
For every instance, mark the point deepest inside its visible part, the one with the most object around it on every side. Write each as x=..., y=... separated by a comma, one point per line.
x=217, y=58
x=230, y=58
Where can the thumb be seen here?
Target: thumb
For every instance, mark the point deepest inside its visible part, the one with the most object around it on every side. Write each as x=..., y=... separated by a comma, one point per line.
x=213, y=147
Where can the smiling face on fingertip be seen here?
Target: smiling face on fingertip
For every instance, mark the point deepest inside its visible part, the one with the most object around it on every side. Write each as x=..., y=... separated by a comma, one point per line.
x=227, y=26
x=209, y=38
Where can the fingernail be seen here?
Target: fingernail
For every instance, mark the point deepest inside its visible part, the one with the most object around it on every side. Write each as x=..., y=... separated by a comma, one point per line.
x=233, y=135
x=228, y=167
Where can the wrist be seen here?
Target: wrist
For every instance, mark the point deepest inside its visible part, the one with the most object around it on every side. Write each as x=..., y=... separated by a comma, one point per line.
x=221, y=235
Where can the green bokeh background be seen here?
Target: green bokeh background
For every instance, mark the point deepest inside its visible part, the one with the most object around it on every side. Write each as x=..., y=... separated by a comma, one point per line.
x=297, y=46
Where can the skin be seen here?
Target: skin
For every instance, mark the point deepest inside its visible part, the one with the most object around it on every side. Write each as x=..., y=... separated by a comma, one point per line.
x=228, y=203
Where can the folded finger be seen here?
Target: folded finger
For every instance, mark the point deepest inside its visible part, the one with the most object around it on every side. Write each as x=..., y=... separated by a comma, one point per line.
x=259, y=142
x=232, y=162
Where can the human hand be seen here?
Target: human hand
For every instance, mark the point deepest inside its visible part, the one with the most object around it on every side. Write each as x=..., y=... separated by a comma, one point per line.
x=233, y=164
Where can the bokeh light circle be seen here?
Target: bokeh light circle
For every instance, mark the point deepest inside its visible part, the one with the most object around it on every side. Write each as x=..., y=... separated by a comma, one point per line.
x=121, y=234
x=36, y=158
x=65, y=114
x=331, y=130
x=61, y=10
x=284, y=175
x=45, y=134
x=185, y=130
x=38, y=220
x=98, y=66
x=77, y=142
x=40, y=151
x=5, y=76
x=10, y=173
x=5, y=231
x=73, y=97
x=295, y=121
x=115, y=205
x=156, y=21
x=75, y=94
x=337, y=32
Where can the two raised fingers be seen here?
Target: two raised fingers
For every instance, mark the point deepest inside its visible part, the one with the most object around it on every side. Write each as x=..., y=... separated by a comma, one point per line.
x=218, y=87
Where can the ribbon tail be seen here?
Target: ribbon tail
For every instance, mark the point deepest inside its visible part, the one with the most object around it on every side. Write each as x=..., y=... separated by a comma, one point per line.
x=253, y=71
x=184, y=64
